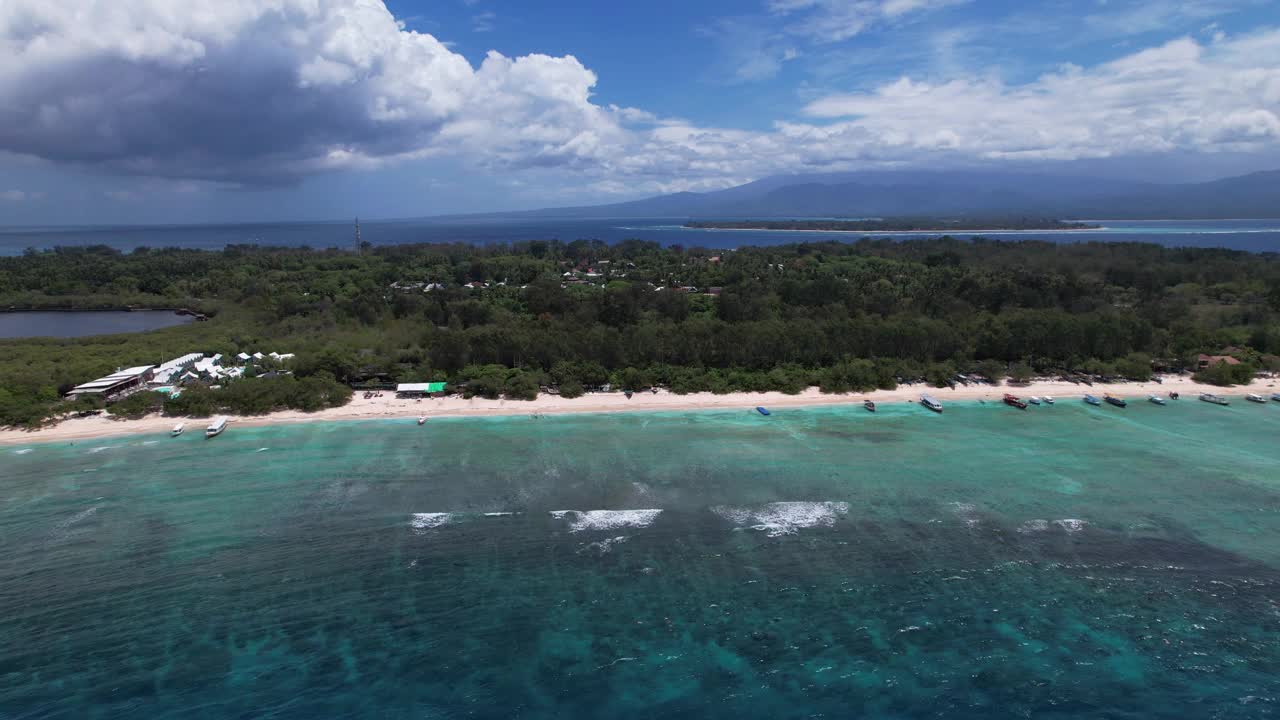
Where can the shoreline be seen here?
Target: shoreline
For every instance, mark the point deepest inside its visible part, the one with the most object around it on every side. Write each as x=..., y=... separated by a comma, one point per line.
x=389, y=407
x=876, y=233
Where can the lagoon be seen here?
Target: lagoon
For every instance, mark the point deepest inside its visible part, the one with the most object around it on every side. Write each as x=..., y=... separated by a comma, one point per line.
x=45, y=323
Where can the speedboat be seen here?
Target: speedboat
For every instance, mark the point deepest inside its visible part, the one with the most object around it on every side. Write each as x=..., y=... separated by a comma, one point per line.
x=216, y=427
x=1156, y=399
x=422, y=420
x=762, y=411
x=870, y=406
x=929, y=402
x=1048, y=399
x=1092, y=400
x=1255, y=397
x=1033, y=400
x=1215, y=399
x=1113, y=400
x=176, y=431
x=1013, y=401
x=1275, y=396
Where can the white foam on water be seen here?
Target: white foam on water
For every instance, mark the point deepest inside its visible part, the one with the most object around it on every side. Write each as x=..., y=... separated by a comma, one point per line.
x=150, y=442
x=60, y=529
x=1033, y=526
x=1071, y=525
x=500, y=514
x=262, y=449
x=97, y=450
x=422, y=522
x=23, y=451
x=784, y=518
x=580, y=520
x=604, y=546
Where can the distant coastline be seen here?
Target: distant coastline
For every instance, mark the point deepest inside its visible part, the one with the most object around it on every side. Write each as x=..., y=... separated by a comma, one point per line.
x=896, y=225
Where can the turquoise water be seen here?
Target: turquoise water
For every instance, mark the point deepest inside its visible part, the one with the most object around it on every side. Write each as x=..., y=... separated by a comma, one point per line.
x=1067, y=561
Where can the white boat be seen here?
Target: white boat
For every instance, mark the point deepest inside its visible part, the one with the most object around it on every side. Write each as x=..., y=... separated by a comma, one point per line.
x=1275, y=396
x=1033, y=400
x=1156, y=400
x=176, y=431
x=422, y=420
x=929, y=402
x=1048, y=399
x=216, y=427
x=1215, y=399
x=1255, y=397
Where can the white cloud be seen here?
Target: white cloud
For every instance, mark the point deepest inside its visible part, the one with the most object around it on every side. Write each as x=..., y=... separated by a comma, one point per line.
x=245, y=91
x=832, y=21
x=18, y=196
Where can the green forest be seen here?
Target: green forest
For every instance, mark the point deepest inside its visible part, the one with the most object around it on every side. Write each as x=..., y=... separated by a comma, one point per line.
x=896, y=224
x=511, y=319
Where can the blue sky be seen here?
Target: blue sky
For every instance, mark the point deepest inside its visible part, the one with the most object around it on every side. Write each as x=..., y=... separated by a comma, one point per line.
x=120, y=111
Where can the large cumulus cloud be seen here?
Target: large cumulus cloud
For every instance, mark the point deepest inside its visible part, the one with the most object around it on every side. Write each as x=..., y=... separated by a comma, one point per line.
x=270, y=90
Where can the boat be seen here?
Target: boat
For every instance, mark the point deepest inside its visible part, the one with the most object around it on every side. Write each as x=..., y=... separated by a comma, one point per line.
x=1048, y=399
x=1033, y=400
x=1275, y=396
x=1156, y=400
x=422, y=420
x=929, y=402
x=1255, y=397
x=1173, y=396
x=1215, y=399
x=1113, y=400
x=763, y=411
x=1092, y=400
x=870, y=406
x=1013, y=401
x=176, y=431
x=216, y=427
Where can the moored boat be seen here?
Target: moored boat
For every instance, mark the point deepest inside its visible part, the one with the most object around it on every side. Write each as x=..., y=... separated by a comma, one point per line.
x=216, y=427
x=422, y=420
x=1092, y=400
x=1156, y=399
x=1033, y=400
x=763, y=411
x=1113, y=400
x=1048, y=399
x=1174, y=396
x=1255, y=397
x=1215, y=399
x=177, y=430
x=1275, y=396
x=929, y=402
x=870, y=406
x=1013, y=401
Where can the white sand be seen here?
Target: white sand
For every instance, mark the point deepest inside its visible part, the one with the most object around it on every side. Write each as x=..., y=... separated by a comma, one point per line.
x=388, y=406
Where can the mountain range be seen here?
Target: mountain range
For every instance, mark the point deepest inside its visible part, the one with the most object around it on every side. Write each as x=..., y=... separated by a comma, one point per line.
x=952, y=193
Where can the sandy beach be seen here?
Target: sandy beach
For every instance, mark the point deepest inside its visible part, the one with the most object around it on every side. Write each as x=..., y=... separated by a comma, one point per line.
x=389, y=407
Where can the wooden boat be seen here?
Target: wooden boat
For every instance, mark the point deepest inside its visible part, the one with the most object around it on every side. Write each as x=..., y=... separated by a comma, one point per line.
x=1013, y=401
x=1033, y=400
x=1092, y=400
x=1215, y=399
x=177, y=430
x=216, y=427
x=1156, y=399
x=929, y=402
x=870, y=406
x=1113, y=400
x=1048, y=399
x=763, y=411
x=1255, y=397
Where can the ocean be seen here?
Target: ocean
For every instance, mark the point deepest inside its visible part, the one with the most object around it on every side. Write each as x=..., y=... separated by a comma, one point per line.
x=1253, y=235
x=1068, y=561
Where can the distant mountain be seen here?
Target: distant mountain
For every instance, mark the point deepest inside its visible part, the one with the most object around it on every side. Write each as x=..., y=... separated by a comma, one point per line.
x=952, y=193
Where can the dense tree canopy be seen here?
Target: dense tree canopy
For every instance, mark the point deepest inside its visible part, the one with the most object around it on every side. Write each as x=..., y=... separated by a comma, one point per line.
x=507, y=319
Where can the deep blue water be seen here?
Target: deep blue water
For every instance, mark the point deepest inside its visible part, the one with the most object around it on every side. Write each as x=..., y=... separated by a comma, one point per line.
x=1253, y=235
x=81, y=324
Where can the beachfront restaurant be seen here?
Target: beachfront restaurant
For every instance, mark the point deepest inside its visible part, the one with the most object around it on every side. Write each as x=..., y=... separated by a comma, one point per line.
x=117, y=383
x=418, y=390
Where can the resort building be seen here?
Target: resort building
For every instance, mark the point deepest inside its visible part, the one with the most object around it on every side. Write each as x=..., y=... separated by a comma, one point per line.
x=417, y=390
x=115, y=384
x=1205, y=361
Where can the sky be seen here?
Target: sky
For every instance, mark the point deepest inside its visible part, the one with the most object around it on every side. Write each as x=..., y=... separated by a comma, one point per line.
x=168, y=111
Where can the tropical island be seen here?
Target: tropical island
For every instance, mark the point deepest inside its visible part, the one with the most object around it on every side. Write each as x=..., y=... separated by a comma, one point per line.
x=302, y=329
x=873, y=225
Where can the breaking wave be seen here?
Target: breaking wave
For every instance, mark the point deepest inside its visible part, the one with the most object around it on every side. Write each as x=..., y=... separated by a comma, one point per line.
x=580, y=520
x=784, y=518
